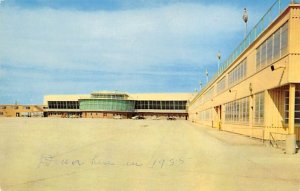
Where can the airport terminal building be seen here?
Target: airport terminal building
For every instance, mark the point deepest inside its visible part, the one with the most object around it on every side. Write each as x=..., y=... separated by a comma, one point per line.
x=256, y=91
x=106, y=104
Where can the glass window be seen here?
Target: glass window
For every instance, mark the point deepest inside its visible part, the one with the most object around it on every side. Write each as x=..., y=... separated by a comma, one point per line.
x=284, y=39
x=269, y=51
x=259, y=109
x=237, y=111
x=273, y=48
x=263, y=57
x=206, y=115
x=276, y=51
x=258, y=52
x=297, y=107
x=238, y=73
x=221, y=85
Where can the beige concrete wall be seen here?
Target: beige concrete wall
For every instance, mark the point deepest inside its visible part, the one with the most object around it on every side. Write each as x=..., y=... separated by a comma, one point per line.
x=294, y=47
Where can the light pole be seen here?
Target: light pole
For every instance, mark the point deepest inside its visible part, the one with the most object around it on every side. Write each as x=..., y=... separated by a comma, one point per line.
x=219, y=58
x=206, y=73
x=245, y=18
x=200, y=83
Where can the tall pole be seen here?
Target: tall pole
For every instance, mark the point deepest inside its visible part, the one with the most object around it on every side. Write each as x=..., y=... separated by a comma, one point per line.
x=219, y=58
x=200, y=83
x=206, y=73
x=245, y=18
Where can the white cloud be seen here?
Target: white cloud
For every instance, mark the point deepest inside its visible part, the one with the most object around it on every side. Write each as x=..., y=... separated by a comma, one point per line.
x=114, y=40
x=140, y=49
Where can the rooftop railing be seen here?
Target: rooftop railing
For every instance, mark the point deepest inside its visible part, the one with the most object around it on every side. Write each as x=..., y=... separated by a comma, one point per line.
x=276, y=9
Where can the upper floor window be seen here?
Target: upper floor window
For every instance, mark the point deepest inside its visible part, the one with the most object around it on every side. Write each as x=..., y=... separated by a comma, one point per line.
x=273, y=48
x=63, y=104
x=208, y=95
x=160, y=105
x=221, y=85
x=238, y=73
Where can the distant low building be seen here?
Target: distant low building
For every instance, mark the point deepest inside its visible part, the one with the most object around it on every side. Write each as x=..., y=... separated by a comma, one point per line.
x=17, y=110
x=105, y=104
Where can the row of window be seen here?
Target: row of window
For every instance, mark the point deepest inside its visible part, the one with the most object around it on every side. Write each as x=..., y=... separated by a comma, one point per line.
x=208, y=95
x=63, y=104
x=297, y=107
x=237, y=111
x=157, y=105
x=221, y=85
x=206, y=115
x=235, y=76
x=107, y=105
x=238, y=73
x=273, y=48
x=161, y=105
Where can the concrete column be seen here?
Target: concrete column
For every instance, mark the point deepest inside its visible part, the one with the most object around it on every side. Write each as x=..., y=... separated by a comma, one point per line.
x=291, y=137
x=292, y=92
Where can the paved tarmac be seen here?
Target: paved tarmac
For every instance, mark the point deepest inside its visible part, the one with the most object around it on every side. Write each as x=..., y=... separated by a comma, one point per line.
x=44, y=154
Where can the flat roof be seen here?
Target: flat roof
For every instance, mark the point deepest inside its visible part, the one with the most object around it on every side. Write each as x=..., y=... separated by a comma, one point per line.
x=109, y=93
x=162, y=96
x=65, y=97
x=135, y=96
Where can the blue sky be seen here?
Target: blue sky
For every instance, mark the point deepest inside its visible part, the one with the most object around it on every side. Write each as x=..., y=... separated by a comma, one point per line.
x=76, y=47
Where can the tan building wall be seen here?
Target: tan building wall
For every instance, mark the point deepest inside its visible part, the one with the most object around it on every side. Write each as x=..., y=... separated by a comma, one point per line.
x=273, y=85
x=20, y=110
